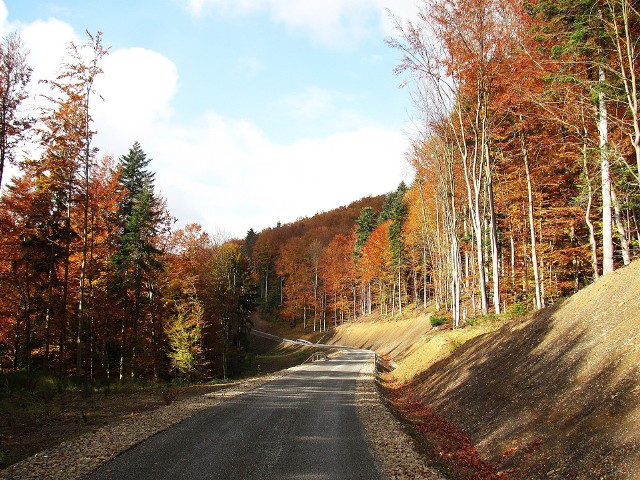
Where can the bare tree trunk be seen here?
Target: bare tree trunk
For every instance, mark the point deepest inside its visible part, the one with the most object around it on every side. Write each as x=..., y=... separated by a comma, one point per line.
x=47, y=340
x=399, y=291
x=587, y=215
x=65, y=286
x=495, y=260
x=532, y=230
x=266, y=283
x=607, y=227
x=122, y=346
x=513, y=262
x=355, y=302
x=393, y=299
x=83, y=264
x=622, y=231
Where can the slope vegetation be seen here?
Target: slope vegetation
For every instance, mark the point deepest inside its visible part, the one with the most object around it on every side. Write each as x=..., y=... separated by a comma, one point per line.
x=554, y=395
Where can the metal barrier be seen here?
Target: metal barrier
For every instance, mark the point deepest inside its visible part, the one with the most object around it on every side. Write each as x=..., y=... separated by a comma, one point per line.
x=316, y=357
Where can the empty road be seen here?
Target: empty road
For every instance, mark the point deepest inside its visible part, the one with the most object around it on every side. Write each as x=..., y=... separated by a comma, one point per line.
x=301, y=426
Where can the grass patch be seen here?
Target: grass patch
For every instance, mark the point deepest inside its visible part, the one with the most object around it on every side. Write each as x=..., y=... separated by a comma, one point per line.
x=438, y=320
x=438, y=344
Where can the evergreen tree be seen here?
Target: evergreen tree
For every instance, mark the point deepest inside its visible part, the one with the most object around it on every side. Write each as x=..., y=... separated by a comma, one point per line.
x=137, y=257
x=248, y=244
x=365, y=224
x=395, y=209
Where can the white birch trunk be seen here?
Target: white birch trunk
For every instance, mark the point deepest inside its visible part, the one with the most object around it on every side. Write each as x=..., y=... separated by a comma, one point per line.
x=607, y=227
x=532, y=229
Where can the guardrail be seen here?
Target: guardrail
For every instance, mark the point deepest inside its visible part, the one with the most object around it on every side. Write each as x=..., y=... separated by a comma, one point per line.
x=316, y=357
x=384, y=365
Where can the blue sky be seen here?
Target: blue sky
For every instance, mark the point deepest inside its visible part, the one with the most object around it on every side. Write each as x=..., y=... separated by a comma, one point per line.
x=254, y=111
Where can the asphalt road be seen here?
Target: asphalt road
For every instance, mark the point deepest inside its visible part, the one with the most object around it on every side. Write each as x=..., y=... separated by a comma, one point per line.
x=301, y=426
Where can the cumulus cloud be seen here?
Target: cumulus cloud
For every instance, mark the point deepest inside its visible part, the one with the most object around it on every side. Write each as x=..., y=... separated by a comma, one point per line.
x=231, y=174
x=47, y=42
x=226, y=172
x=137, y=87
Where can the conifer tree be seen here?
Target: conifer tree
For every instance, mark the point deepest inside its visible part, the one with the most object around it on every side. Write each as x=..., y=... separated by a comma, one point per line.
x=137, y=257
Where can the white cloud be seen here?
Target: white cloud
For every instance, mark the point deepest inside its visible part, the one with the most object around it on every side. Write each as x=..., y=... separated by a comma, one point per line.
x=233, y=7
x=403, y=9
x=230, y=174
x=47, y=42
x=310, y=105
x=224, y=172
x=4, y=14
x=322, y=110
x=337, y=23
x=137, y=86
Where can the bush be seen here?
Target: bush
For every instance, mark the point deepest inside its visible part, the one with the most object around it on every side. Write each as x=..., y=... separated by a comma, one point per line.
x=518, y=309
x=46, y=387
x=437, y=320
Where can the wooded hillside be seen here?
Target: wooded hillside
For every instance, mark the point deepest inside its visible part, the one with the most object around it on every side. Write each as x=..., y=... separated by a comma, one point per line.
x=527, y=169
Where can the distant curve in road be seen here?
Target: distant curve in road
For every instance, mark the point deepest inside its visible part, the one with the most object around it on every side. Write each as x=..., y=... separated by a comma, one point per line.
x=301, y=426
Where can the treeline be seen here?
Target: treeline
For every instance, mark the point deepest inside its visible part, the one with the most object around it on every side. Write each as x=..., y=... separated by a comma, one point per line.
x=528, y=164
x=527, y=169
x=526, y=188
x=93, y=280
x=305, y=269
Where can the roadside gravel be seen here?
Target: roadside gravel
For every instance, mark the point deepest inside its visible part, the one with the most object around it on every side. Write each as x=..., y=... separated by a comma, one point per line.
x=76, y=458
x=392, y=447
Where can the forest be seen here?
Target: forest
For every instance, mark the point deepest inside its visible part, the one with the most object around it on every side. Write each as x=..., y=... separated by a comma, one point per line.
x=526, y=168
x=526, y=163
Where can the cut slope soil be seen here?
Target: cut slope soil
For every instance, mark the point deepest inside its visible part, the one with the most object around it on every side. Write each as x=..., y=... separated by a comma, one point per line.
x=556, y=395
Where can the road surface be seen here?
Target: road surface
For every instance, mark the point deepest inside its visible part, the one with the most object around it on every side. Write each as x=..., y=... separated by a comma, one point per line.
x=301, y=426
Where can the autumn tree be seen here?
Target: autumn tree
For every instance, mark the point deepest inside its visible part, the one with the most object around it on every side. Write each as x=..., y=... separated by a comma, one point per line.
x=376, y=263
x=228, y=293
x=181, y=284
x=338, y=275
x=15, y=74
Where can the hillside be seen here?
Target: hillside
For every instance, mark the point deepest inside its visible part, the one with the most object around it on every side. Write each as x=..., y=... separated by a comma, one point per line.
x=554, y=395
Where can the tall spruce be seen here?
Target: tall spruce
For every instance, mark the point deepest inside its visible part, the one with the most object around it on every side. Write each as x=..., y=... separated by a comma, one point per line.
x=365, y=224
x=395, y=209
x=137, y=257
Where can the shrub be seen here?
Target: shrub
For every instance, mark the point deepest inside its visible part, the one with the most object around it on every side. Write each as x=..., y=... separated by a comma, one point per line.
x=518, y=309
x=437, y=320
x=46, y=387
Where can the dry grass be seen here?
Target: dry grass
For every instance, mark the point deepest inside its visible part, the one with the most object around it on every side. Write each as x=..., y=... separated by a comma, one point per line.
x=436, y=345
x=388, y=336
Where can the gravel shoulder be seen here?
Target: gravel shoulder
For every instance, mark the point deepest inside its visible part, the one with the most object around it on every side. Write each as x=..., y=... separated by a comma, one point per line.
x=391, y=446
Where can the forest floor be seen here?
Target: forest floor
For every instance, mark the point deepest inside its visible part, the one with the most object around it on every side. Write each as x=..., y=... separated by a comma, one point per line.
x=550, y=395
x=38, y=415
x=30, y=422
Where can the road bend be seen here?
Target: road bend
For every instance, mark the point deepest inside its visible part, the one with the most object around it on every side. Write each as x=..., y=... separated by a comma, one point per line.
x=301, y=426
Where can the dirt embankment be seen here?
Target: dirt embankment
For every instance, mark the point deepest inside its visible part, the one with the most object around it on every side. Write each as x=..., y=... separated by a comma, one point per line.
x=556, y=395
x=393, y=337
